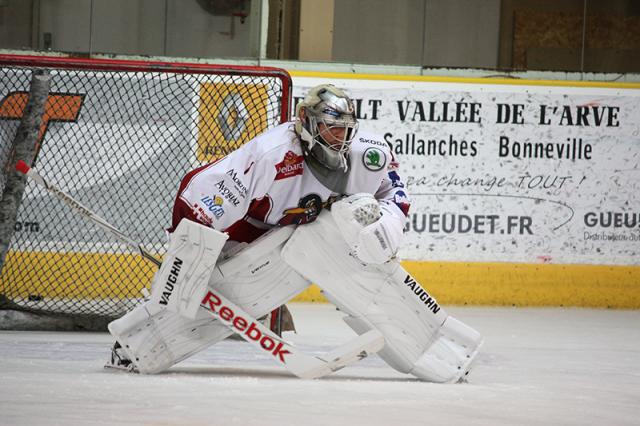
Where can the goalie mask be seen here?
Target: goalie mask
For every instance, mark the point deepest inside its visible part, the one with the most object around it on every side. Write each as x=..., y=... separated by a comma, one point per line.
x=326, y=124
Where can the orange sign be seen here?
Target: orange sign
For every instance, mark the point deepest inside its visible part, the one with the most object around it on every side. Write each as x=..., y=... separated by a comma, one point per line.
x=59, y=107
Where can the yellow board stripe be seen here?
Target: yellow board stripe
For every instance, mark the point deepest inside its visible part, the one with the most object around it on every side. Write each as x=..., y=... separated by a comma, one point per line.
x=466, y=80
x=74, y=275
x=519, y=284
x=523, y=284
x=118, y=276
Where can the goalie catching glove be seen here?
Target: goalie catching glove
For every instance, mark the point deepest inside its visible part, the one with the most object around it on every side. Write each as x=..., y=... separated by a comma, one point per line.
x=373, y=229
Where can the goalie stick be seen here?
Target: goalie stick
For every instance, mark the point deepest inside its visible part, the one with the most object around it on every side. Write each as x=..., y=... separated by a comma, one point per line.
x=235, y=318
x=23, y=168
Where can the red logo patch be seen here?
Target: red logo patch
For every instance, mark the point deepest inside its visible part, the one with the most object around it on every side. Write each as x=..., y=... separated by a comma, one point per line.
x=290, y=166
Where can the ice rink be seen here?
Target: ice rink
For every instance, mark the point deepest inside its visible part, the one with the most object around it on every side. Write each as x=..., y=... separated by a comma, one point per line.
x=537, y=367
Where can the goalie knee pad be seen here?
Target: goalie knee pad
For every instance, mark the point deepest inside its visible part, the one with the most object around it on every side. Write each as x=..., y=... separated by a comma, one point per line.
x=256, y=277
x=420, y=337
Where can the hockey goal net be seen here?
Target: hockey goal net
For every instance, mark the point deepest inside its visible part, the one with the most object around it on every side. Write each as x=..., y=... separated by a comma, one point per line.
x=118, y=136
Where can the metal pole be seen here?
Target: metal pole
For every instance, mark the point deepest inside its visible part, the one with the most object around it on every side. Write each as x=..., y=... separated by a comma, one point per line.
x=23, y=148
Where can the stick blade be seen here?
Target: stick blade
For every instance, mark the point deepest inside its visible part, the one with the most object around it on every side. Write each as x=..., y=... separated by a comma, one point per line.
x=355, y=350
x=359, y=348
x=308, y=367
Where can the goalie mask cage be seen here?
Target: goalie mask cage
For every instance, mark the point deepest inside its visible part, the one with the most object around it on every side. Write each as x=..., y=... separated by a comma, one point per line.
x=118, y=136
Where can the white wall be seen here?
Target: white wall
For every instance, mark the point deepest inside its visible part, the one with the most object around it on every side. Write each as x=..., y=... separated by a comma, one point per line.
x=68, y=23
x=192, y=32
x=378, y=31
x=462, y=33
x=138, y=27
x=15, y=19
x=129, y=27
x=450, y=33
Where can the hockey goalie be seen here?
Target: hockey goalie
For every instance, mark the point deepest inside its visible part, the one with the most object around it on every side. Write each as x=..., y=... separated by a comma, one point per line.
x=316, y=200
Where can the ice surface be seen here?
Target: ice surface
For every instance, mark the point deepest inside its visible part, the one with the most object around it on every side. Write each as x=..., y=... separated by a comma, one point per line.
x=537, y=367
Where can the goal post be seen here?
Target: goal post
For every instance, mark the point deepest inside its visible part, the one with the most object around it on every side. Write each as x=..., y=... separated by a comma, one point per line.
x=118, y=136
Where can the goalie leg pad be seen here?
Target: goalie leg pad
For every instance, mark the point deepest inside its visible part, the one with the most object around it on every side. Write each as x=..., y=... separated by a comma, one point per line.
x=155, y=342
x=454, y=348
x=383, y=297
x=255, y=278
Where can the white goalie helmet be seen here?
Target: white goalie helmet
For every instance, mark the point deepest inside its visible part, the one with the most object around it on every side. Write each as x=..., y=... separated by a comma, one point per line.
x=326, y=123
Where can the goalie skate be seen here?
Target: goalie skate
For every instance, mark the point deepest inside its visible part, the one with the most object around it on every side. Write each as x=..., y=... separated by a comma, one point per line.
x=119, y=360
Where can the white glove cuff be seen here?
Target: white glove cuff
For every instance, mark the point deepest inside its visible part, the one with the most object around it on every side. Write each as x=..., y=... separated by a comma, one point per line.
x=380, y=241
x=373, y=230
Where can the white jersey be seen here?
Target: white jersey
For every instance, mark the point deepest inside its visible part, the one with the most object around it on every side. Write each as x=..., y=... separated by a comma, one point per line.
x=267, y=183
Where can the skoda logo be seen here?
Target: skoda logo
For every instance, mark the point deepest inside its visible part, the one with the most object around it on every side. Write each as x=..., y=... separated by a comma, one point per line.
x=374, y=159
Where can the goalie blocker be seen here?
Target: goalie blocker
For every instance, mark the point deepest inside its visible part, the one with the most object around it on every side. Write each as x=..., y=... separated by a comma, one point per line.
x=205, y=304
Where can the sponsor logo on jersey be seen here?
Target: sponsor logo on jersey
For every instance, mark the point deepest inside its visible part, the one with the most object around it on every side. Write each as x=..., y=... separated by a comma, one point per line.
x=214, y=205
x=227, y=193
x=246, y=326
x=200, y=215
x=374, y=159
x=291, y=165
x=172, y=279
x=239, y=185
x=373, y=142
x=422, y=294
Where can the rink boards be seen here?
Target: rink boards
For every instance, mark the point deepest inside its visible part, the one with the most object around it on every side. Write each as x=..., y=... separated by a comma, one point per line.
x=523, y=193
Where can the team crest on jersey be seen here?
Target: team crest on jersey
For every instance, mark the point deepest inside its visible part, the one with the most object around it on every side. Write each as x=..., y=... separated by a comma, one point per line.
x=374, y=159
x=309, y=207
x=291, y=165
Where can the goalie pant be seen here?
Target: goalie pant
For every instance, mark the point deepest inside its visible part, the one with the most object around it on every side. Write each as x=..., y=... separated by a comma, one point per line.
x=420, y=339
